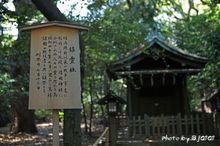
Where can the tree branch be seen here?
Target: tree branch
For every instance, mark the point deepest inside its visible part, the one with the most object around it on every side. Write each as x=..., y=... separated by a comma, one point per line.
x=129, y=3
x=4, y=10
x=49, y=10
x=192, y=7
x=204, y=3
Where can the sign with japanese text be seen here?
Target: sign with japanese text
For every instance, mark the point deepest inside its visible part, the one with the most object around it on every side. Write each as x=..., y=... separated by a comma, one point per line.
x=55, y=68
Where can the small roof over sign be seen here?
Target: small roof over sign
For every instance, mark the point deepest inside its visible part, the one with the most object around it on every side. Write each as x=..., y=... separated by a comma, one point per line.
x=111, y=97
x=55, y=23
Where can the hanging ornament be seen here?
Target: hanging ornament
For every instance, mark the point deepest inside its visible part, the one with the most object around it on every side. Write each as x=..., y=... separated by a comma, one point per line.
x=152, y=80
x=141, y=79
x=174, y=80
x=163, y=79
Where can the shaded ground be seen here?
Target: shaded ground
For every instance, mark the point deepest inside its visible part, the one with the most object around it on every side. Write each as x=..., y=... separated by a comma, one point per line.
x=43, y=137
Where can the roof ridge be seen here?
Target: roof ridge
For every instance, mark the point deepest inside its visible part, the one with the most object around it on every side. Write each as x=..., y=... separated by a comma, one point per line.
x=179, y=50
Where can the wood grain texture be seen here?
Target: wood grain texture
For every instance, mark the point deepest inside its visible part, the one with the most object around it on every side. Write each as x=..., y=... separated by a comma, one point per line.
x=51, y=94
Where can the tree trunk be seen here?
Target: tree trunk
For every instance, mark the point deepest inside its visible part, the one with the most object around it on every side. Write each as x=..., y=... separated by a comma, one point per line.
x=84, y=116
x=91, y=108
x=72, y=118
x=82, y=56
x=24, y=120
x=72, y=130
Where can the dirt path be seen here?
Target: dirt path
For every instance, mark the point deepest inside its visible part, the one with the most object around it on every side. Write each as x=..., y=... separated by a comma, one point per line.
x=42, y=138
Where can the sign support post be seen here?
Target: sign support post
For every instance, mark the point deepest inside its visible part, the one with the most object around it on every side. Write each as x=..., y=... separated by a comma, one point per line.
x=55, y=115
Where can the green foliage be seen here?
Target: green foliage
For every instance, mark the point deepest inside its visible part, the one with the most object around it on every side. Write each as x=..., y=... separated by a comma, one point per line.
x=61, y=115
x=199, y=34
x=43, y=114
x=5, y=98
x=117, y=27
x=14, y=51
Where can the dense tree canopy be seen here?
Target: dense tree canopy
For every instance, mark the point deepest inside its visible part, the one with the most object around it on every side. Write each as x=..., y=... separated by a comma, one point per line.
x=116, y=27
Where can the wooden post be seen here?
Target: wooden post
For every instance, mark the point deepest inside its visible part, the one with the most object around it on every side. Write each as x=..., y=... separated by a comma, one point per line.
x=186, y=124
x=179, y=124
x=112, y=130
x=173, y=125
x=147, y=125
x=168, y=121
x=163, y=125
x=134, y=126
x=192, y=124
x=129, y=100
x=107, y=138
x=197, y=124
x=218, y=124
x=55, y=115
x=139, y=124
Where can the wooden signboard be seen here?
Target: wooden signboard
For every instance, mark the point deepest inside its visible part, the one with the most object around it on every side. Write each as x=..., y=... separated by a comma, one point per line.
x=55, y=66
x=55, y=69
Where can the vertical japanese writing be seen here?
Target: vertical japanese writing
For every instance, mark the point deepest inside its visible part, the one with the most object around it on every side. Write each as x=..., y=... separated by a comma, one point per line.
x=54, y=62
x=49, y=65
x=72, y=59
x=60, y=70
x=65, y=64
x=38, y=72
x=44, y=61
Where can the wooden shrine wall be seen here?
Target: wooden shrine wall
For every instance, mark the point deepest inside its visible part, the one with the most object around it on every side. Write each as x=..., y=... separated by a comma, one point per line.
x=157, y=99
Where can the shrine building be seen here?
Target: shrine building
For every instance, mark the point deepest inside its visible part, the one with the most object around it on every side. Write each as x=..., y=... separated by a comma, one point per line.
x=156, y=76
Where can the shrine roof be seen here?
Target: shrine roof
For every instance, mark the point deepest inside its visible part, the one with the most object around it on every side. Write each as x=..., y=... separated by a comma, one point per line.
x=164, y=47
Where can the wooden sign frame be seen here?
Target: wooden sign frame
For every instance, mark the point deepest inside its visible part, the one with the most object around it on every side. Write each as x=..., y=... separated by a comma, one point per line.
x=55, y=66
x=55, y=69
